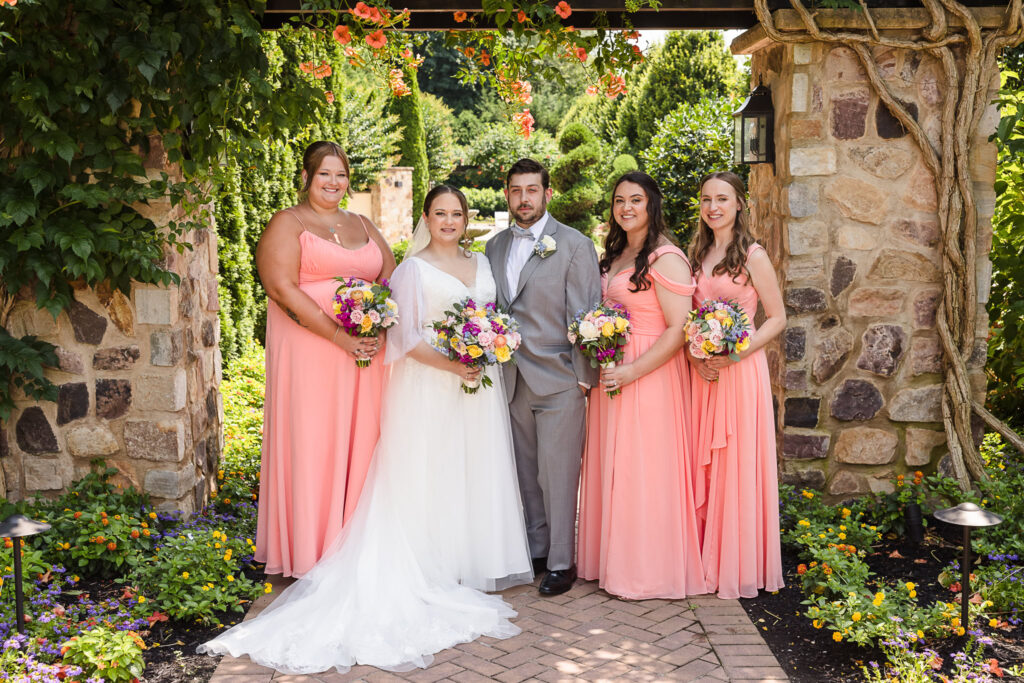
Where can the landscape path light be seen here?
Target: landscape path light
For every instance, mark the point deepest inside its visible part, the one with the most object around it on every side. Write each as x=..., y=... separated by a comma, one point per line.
x=15, y=528
x=968, y=516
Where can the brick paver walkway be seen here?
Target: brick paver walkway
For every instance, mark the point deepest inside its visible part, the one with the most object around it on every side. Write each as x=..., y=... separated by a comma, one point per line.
x=586, y=635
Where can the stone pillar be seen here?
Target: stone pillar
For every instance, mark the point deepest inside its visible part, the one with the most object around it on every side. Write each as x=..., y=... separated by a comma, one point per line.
x=391, y=202
x=138, y=383
x=851, y=209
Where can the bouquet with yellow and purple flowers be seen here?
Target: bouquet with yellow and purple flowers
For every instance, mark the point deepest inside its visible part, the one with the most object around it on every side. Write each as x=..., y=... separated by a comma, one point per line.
x=600, y=334
x=718, y=327
x=364, y=309
x=476, y=335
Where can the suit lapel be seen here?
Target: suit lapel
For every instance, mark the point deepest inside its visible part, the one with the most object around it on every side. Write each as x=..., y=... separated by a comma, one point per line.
x=501, y=258
x=534, y=260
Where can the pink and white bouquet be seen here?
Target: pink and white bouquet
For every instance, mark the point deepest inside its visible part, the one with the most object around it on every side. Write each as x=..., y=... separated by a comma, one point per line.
x=477, y=336
x=718, y=327
x=364, y=309
x=600, y=334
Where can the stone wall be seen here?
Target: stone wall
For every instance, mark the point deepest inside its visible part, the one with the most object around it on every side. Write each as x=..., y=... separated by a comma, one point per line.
x=138, y=384
x=391, y=204
x=858, y=385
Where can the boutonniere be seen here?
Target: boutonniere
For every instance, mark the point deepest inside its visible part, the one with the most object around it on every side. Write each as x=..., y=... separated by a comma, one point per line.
x=545, y=246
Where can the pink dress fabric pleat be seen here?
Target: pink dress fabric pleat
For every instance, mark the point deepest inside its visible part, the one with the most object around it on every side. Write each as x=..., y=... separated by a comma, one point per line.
x=736, y=487
x=321, y=418
x=638, y=533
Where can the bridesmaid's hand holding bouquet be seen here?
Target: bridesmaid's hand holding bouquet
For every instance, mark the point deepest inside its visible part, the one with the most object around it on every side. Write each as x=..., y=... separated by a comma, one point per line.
x=364, y=309
x=476, y=336
x=718, y=327
x=600, y=334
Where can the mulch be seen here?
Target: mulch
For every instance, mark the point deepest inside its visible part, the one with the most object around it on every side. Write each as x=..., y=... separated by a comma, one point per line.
x=809, y=655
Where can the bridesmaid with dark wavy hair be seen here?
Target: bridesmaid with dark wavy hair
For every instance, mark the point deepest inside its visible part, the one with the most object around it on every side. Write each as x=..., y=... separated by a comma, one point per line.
x=638, y=531
x=736, y=488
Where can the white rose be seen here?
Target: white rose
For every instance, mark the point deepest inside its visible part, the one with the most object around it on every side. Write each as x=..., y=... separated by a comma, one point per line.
x=589, y=331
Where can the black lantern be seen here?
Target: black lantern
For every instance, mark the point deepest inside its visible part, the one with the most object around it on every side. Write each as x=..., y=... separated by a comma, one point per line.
x=15, y=527
x=754, y=129
x=968, y=516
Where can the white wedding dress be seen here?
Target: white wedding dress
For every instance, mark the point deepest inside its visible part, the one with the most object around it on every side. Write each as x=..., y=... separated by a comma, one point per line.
x=439, y=519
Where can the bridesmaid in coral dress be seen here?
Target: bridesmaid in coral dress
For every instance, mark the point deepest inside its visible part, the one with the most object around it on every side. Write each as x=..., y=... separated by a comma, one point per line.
x=638, y=533
x=736, y=487
x=321, y=416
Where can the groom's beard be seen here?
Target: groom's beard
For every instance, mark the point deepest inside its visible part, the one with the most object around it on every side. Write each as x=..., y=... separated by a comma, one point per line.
x=527, y=216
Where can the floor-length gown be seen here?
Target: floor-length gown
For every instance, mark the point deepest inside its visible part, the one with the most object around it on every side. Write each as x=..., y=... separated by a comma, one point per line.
x=321, y=418
x=736, y=486
x=438, y=521
x=638, y=532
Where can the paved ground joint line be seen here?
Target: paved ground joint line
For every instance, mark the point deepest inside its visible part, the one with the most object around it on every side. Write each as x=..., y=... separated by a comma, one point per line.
x=584, y=635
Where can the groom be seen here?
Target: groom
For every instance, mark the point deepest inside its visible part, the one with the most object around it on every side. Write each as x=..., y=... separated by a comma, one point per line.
x=545, y=273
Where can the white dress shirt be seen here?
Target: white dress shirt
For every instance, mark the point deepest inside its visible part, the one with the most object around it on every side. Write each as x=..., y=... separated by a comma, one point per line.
x=519, y=253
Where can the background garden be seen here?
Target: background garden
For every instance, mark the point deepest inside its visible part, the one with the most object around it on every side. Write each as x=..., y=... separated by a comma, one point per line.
x=117, y=591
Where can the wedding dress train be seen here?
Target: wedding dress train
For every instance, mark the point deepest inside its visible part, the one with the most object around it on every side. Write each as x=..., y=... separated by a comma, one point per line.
x=439, y=520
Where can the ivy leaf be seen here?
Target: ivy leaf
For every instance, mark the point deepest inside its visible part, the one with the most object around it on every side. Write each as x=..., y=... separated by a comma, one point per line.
x=21, y=210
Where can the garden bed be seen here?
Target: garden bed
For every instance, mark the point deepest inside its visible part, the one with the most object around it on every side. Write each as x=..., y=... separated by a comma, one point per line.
x=809, y=654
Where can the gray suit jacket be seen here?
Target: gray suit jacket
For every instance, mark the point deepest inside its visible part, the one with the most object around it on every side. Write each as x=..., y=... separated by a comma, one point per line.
x=552, y=290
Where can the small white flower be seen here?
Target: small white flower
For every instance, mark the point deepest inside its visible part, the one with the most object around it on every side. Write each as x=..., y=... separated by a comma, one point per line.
x=545, y=246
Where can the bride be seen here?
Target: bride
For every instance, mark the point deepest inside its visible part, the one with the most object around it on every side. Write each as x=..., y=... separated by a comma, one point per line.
x=439, y=519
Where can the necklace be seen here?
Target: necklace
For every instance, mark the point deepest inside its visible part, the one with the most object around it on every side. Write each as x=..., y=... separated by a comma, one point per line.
x=331, y=229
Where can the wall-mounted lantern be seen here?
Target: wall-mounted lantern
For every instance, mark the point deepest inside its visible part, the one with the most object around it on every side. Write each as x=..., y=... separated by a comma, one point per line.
x=754, y=132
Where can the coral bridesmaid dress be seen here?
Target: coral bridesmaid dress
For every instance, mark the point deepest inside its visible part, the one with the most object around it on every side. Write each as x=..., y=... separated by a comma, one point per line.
x=320, y=420
x=736, y=487
x=638, y=533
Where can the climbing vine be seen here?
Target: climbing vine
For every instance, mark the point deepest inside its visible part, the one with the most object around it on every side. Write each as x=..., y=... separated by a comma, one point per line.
x=967, y=56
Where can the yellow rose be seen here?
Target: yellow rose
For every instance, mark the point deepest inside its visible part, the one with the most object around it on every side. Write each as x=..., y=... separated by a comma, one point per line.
x=503, y=354
x=608, y=329
x=709, y=316
x=721, y=314
x=621, y=324
x=743, y=345
x=481, y=313
x=337, y=308
x=475, y=351
x=357, y=295
x=708, y=346
x=366, y=324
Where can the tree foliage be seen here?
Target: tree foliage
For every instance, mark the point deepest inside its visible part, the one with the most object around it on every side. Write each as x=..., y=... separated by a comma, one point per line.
x=439, y=130
x=575, y=179
x=91, y=90
x=413, y=146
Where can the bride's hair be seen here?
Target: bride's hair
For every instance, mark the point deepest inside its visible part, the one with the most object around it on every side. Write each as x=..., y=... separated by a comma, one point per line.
x=615, y=242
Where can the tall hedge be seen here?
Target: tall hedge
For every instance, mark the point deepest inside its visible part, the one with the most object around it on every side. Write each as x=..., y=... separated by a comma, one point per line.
x=413, y=147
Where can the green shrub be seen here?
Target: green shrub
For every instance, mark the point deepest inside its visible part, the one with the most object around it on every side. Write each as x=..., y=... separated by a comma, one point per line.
x=195, y=575
x=486, y=200
x=487, y=159
x=439, y=128
x=107, y=654
x=575, y=179
x=413, y=146
x=690, y=142
x=399, y=248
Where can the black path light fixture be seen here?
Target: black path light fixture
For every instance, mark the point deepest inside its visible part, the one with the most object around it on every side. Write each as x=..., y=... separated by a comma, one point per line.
x=968, y=516
x=15, y=527
x=754, y=129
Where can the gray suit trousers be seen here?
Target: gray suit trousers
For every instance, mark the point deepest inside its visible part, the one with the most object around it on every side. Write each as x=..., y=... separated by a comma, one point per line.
x=548, y=434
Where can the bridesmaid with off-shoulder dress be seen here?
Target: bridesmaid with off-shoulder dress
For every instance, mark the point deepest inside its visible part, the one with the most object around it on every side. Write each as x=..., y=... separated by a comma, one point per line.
x=736, y=485
x=638, y=533
x=321, y=415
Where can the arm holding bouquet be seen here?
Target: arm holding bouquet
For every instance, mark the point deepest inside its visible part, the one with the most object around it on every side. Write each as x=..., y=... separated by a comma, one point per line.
x=583, y=290
x=277, y=260
x=674, y=306
x=762, y=276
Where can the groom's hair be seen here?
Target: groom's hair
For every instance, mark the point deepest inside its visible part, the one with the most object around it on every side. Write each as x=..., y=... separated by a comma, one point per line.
x=528, y=166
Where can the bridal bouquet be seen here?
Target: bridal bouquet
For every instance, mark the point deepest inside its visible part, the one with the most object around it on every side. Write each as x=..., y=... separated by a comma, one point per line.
x=364, y=309
x=600, y=334
x=718, y=327
x=477, y=336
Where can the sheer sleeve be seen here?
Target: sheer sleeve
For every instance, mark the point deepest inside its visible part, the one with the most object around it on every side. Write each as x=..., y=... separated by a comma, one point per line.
x=672, y=285
x=407, y=291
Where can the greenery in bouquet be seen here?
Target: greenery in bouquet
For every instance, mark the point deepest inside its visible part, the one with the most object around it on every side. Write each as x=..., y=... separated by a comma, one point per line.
x=477, y=336
x=364, y=309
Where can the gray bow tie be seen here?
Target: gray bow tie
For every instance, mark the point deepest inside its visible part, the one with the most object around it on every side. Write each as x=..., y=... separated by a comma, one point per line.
x=520, y=232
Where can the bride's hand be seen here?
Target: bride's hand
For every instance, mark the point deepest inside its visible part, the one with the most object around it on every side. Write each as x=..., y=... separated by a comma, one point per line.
x=617, y=377
x=468, y=373
x=357, y=347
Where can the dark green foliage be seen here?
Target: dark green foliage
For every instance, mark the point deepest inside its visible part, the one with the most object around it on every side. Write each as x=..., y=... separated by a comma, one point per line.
x=575, y=179
x=688, y=67
x=1006, y=305
x=439, y=129
x=438, y=75
x=90, y=90
x=486, y=200
x=21, y=365
x=413, y=147
x=487, y=159
x=690, y=142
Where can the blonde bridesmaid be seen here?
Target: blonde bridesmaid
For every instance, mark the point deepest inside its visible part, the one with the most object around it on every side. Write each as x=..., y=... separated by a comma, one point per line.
x=734, y=428
x=638, y=532
x=321, y=416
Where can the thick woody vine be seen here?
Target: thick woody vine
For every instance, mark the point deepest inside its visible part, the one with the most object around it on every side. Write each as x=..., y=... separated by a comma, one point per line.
x=967, y=55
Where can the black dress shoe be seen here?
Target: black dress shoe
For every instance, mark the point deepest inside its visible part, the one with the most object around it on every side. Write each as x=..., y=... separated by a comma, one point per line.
x=540, y=565
x=558, y=581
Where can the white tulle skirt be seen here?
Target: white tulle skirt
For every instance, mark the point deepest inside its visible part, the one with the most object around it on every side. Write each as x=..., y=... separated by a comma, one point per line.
x=439, y=521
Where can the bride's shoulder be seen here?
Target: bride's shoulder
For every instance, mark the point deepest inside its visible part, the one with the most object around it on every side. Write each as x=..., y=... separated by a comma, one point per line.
x=481, y=257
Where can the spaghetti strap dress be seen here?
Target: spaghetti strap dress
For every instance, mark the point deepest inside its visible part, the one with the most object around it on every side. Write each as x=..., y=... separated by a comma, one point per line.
x=321, y=417
x=638, y=533
x=736, y=484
